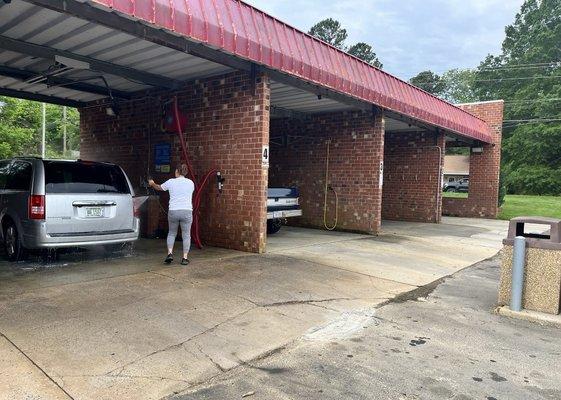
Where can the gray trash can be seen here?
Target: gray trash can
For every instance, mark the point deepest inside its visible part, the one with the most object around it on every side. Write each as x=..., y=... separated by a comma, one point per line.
x=542, y=273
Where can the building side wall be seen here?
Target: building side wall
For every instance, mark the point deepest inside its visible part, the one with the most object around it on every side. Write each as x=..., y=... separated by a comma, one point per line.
x=298, y=158
x=227, y=127
x=482, y=201
x=413, y=177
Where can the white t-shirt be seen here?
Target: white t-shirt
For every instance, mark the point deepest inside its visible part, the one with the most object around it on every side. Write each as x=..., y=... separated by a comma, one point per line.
x=180, y=193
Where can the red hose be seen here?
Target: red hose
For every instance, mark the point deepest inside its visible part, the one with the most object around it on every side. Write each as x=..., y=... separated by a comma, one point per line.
x=195, y=230
x=182, y=140
x=197, y=195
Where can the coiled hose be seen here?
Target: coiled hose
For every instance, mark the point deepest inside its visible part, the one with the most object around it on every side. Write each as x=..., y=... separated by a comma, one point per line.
x=199, y=186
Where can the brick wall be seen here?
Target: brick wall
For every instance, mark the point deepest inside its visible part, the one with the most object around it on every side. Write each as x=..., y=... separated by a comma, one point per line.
x=412, y=176
x=484, y=169
x=228, y=123
x=356, y=150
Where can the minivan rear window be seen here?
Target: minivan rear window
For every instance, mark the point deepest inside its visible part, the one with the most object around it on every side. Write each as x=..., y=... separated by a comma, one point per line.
x=19, y=177
x=79, y=177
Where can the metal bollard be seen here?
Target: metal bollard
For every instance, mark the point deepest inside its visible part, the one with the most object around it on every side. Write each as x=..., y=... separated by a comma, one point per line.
x=518, y=263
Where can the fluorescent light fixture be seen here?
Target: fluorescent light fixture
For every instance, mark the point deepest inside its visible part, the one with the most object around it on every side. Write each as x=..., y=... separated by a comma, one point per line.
x=72, y=63
x=477, y=150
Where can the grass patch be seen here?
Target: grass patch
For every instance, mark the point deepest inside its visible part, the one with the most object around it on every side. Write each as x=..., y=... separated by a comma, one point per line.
x=456, y=195
x=539, y=206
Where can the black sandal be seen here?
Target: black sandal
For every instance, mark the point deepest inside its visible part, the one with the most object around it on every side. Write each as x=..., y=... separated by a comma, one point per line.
x=169, y=259
x=184, y=261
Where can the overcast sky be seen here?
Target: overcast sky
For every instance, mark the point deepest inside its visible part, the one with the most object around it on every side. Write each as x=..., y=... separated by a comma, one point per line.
x=410, y=36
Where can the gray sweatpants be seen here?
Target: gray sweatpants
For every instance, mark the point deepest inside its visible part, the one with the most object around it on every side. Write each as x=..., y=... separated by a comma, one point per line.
x=185, y=219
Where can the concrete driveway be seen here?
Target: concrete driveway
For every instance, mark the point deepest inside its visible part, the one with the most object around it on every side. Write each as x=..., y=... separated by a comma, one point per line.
x=445, y=345
x=132, y=328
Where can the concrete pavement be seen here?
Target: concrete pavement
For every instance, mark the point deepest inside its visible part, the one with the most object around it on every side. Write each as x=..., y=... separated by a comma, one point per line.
x=132, y=328
x=444, y=345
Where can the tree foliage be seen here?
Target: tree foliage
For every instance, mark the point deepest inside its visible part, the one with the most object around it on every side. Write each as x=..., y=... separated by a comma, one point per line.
x=527, y=74
x=366, y=53
x=429, y=82
x=458, y=86
x=455, y=85
x=20, y=128
x=331, y=31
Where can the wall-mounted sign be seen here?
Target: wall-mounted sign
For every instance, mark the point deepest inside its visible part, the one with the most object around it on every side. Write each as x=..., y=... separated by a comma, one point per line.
x=265, y=156
x=162, y=157
x=381, y=178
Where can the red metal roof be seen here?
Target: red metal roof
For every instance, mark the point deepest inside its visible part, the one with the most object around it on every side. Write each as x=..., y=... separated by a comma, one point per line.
x=242, y=30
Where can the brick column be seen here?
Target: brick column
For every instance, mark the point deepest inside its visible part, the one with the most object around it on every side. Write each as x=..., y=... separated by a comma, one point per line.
x=227, y=127
x=413, y=176
x=484, y=169
x=441, y=144
x=298, y=158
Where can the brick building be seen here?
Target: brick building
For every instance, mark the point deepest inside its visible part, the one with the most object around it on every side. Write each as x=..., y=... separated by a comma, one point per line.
x=246, y=81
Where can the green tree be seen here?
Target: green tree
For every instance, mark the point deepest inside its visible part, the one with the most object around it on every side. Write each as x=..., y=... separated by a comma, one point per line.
x=458, y=86
x=20, y=128
x=366, y=53
x=17, y=127
x=331, y=31
x=527, y=76
x=429, y=82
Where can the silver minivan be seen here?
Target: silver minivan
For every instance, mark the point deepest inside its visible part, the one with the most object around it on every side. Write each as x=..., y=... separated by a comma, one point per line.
x=54, y=204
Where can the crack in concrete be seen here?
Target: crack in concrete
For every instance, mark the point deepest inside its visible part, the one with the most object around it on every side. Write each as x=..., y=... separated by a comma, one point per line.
x=174, y=346
x=249, y=364
x=153, y=378
x=295, y=302
x=325, y=307
x=216, y=364
x=163, y=275
x=36, y=366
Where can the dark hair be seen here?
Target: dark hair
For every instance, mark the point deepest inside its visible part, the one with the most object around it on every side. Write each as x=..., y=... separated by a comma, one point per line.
x=182, y=169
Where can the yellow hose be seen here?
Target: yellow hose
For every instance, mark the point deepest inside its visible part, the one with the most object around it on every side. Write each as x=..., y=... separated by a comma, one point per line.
x=329, y=228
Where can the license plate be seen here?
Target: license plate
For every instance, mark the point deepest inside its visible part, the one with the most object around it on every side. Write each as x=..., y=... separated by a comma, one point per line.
x=94, y=212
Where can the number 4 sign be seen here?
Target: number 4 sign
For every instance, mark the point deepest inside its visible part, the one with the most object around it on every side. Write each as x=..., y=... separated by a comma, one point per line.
x=265, y=156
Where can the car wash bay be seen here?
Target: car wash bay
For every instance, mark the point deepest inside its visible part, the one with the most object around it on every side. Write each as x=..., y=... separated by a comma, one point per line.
x=237, y=95
x=116, y=329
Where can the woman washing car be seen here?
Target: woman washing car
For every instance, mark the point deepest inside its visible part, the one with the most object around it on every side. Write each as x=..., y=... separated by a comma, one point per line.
x=180, y=211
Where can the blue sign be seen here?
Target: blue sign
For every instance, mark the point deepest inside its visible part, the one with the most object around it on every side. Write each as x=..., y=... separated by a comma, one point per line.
x=162, y=157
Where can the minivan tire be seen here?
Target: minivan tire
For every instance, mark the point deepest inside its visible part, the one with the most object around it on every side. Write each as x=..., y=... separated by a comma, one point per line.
x=12, y=244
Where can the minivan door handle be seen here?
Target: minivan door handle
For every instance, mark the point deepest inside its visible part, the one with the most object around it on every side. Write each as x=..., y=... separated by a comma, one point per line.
x=93, y=203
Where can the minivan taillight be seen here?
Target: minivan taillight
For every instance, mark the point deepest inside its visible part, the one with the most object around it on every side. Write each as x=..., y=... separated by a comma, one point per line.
x=36, y=206
x=136, y=207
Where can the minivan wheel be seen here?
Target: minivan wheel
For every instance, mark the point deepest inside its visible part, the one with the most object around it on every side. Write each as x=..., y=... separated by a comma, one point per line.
x=12, y=244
